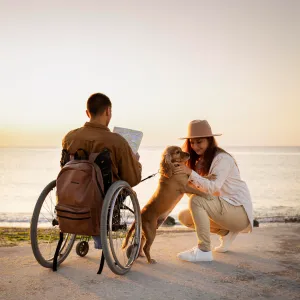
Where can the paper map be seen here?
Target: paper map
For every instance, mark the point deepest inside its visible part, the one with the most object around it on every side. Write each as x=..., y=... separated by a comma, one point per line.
x=133, y=137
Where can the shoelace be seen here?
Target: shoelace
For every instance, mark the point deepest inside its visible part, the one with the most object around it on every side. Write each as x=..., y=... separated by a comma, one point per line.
x=193, y=250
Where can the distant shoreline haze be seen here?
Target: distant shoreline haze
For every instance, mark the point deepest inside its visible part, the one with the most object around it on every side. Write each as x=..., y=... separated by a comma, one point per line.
x=230, y=147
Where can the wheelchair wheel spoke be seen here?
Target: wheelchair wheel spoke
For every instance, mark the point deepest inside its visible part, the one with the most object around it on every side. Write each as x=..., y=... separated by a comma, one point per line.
x=46, y=218
x=119, y=212
x=44, y=232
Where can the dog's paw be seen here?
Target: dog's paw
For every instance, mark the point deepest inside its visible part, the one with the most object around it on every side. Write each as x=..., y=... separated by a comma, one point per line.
x=141, y=254
x=152, y=261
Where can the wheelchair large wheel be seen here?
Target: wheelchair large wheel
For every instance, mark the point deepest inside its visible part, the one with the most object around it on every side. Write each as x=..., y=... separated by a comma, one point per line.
x=120, y=209
x=44, y=231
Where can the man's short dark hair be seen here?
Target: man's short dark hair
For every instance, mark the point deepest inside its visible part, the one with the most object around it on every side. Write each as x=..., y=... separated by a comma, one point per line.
x=97, y=104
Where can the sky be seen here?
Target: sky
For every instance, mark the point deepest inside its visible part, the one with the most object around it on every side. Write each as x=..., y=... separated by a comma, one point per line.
x=162, y=63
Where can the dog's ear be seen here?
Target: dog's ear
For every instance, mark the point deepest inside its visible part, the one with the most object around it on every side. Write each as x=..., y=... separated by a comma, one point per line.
x=166, y=165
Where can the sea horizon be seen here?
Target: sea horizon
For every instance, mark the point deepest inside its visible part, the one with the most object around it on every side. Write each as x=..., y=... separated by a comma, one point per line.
x=162, y=146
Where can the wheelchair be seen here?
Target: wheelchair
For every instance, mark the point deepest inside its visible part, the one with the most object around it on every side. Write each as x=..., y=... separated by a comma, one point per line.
x=120, y=209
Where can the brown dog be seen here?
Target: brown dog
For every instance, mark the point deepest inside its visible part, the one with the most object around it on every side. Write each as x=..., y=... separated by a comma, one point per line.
x=170, y=190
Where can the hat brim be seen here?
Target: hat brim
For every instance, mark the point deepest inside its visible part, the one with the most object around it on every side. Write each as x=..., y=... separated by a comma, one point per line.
x=199, y=136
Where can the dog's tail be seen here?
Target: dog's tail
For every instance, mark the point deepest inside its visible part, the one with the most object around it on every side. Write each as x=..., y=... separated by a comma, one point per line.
x=129, y=234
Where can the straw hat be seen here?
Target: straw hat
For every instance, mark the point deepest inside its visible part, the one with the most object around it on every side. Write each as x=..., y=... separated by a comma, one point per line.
x=199, y=129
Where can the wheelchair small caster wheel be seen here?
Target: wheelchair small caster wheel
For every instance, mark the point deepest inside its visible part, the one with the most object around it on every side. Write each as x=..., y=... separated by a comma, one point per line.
x=82, y=248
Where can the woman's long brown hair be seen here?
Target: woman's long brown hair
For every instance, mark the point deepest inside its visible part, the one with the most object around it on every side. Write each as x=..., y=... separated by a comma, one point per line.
x=208, y=156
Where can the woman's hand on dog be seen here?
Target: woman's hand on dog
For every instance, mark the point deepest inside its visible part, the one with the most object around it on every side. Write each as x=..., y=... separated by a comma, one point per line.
x=210, y=176
x=182, y=169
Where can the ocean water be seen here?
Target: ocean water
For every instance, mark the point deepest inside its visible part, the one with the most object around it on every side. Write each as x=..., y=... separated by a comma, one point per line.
x=272, y=175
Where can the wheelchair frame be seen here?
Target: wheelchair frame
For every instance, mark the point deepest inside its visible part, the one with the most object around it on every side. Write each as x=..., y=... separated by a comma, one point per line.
x=111, y=230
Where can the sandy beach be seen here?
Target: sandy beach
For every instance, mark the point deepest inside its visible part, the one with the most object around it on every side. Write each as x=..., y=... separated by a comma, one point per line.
x=261, y=265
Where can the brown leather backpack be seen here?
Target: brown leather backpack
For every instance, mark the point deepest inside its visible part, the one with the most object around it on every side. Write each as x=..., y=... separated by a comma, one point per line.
x=80, y=195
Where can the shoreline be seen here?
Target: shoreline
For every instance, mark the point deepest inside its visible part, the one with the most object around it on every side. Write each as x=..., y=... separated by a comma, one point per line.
x=261, y=220
x=17, y=236
x=22, y=219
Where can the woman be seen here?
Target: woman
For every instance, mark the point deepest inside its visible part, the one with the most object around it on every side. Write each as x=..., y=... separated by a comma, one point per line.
x=227, y=208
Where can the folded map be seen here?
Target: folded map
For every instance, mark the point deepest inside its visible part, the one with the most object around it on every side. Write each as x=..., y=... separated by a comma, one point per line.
x=133, y=137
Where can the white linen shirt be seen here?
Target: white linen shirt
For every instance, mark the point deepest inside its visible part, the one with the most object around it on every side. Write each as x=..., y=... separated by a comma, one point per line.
x=228, y=185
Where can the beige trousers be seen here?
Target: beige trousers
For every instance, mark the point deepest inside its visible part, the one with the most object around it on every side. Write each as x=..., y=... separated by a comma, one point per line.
x=211, y=214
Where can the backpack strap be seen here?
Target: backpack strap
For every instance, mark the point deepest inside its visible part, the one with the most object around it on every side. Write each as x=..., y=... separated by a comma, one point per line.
x=61, y=238
x=103, y=160
x=65, y=157
x=101, y=263
x=103, y=154
x=81, y=154
x=93, y=157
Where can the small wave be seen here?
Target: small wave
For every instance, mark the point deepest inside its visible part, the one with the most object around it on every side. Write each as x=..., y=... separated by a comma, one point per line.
x=15, y=218
x=21, y=219
x=279, y=219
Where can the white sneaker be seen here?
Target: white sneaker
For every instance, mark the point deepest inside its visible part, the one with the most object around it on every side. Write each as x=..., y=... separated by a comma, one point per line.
x=195, y=254
x=226, y=241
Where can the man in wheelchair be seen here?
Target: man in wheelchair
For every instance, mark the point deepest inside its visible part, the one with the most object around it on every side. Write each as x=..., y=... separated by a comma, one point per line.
x=116, y=159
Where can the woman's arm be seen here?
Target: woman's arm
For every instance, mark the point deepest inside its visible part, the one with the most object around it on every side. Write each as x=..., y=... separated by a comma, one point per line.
x=221, y=167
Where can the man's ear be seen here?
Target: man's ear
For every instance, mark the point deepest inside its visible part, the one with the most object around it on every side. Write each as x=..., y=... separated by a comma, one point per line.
x=108, y=111
x=88, y=114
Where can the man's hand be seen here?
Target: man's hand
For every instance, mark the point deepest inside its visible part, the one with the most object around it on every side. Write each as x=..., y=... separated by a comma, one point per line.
x=182, y=169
